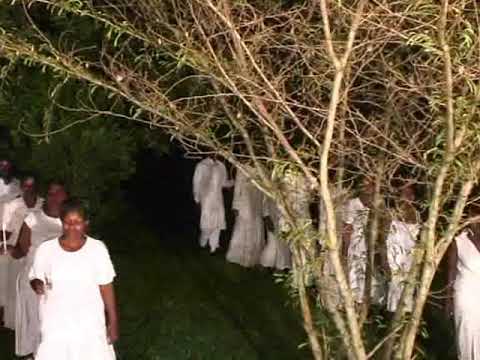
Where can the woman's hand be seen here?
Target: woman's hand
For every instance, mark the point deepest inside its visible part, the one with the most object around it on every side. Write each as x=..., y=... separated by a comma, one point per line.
x=38, y=286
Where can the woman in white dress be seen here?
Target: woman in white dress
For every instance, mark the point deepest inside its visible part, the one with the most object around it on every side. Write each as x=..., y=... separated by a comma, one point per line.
x=9, y=190
x=36, y=228
x=356, y=215
x=297, y=191
x=248, y=237
x=276, y=253
x=464, y=288
x=209, y=180
x=72, y=276
x=14, y=214
x=401, y=240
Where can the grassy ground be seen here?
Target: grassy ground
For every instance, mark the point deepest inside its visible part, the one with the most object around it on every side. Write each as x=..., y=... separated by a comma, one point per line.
x=183, y=303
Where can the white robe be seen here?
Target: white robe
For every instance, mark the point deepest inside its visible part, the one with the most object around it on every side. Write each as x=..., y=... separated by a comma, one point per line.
x=248, y=237
x=276, y=253
x=14, y=214
x=72, y=311
x=298, y=195
x=466, y=307
x=401, y=240
x=356, y=214
x=8, y=192
x=209, y=179
x=27, y=322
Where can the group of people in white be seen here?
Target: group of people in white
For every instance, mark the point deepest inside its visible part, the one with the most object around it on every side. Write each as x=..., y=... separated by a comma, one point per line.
x=56, y=282
x=259, y=225
x=255, y=234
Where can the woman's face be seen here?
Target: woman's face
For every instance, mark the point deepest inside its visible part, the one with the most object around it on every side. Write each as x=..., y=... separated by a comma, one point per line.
x=74, y=224
x=56, y=195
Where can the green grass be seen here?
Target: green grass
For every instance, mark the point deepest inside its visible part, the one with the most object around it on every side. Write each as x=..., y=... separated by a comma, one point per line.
x=182, y=303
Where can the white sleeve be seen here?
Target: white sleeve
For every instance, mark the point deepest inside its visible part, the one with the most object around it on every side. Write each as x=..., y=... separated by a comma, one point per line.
x=266, y=206
x=225, y=182
x=40, y=264
x=104, y=271
x=3, y=209
x=197, y=181
x=30, y=220
x=8, y=215
x=239, y=191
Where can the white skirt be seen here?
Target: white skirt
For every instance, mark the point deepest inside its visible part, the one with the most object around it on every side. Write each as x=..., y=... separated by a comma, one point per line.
x=14, y=268
x=27, y=321
x=4, y=260
x=467, y=319
x=276, y=253
x=84, y=349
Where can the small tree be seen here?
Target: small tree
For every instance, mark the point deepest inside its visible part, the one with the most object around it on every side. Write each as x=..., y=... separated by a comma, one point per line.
x=379, y=86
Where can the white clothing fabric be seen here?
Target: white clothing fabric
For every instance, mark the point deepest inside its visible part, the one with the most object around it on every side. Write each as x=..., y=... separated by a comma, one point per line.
x=209, y=179
x=8, y=192
x=467, y=288
x=276, y=253
x=401, y=240
x=210, y=237
x=15, y=213
x=248, y=237
x=72, y=311
x=27, y=326
x=356, y=214
x=298, y=195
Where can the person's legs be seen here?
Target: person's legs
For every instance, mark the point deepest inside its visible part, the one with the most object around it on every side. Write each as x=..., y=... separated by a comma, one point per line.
x=204, y=236
x=214, y=240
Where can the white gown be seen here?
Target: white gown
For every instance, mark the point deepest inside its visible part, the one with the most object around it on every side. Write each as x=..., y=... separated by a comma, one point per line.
x=8, y=192
x=276, y=253
x=248, y=237
x=298, y=193
x=72, y=312
x=401, y=240
x=14, y=214
x=209, y=179
x=466, y=307
x=27, y=326
x=356, y=214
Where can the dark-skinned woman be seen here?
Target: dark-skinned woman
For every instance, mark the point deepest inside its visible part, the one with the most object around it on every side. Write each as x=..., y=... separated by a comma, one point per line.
x=73, y=278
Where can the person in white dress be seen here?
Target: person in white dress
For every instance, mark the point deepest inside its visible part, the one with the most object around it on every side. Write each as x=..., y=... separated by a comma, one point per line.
x=209, y=180
x=354, y=247
x=248, y=238
x=401, y=240
x=297, y=191
x=14, y=214
x=276, y=253
x=72, y=276
x=36, y=228
x=9, y=190
x=464, y=287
